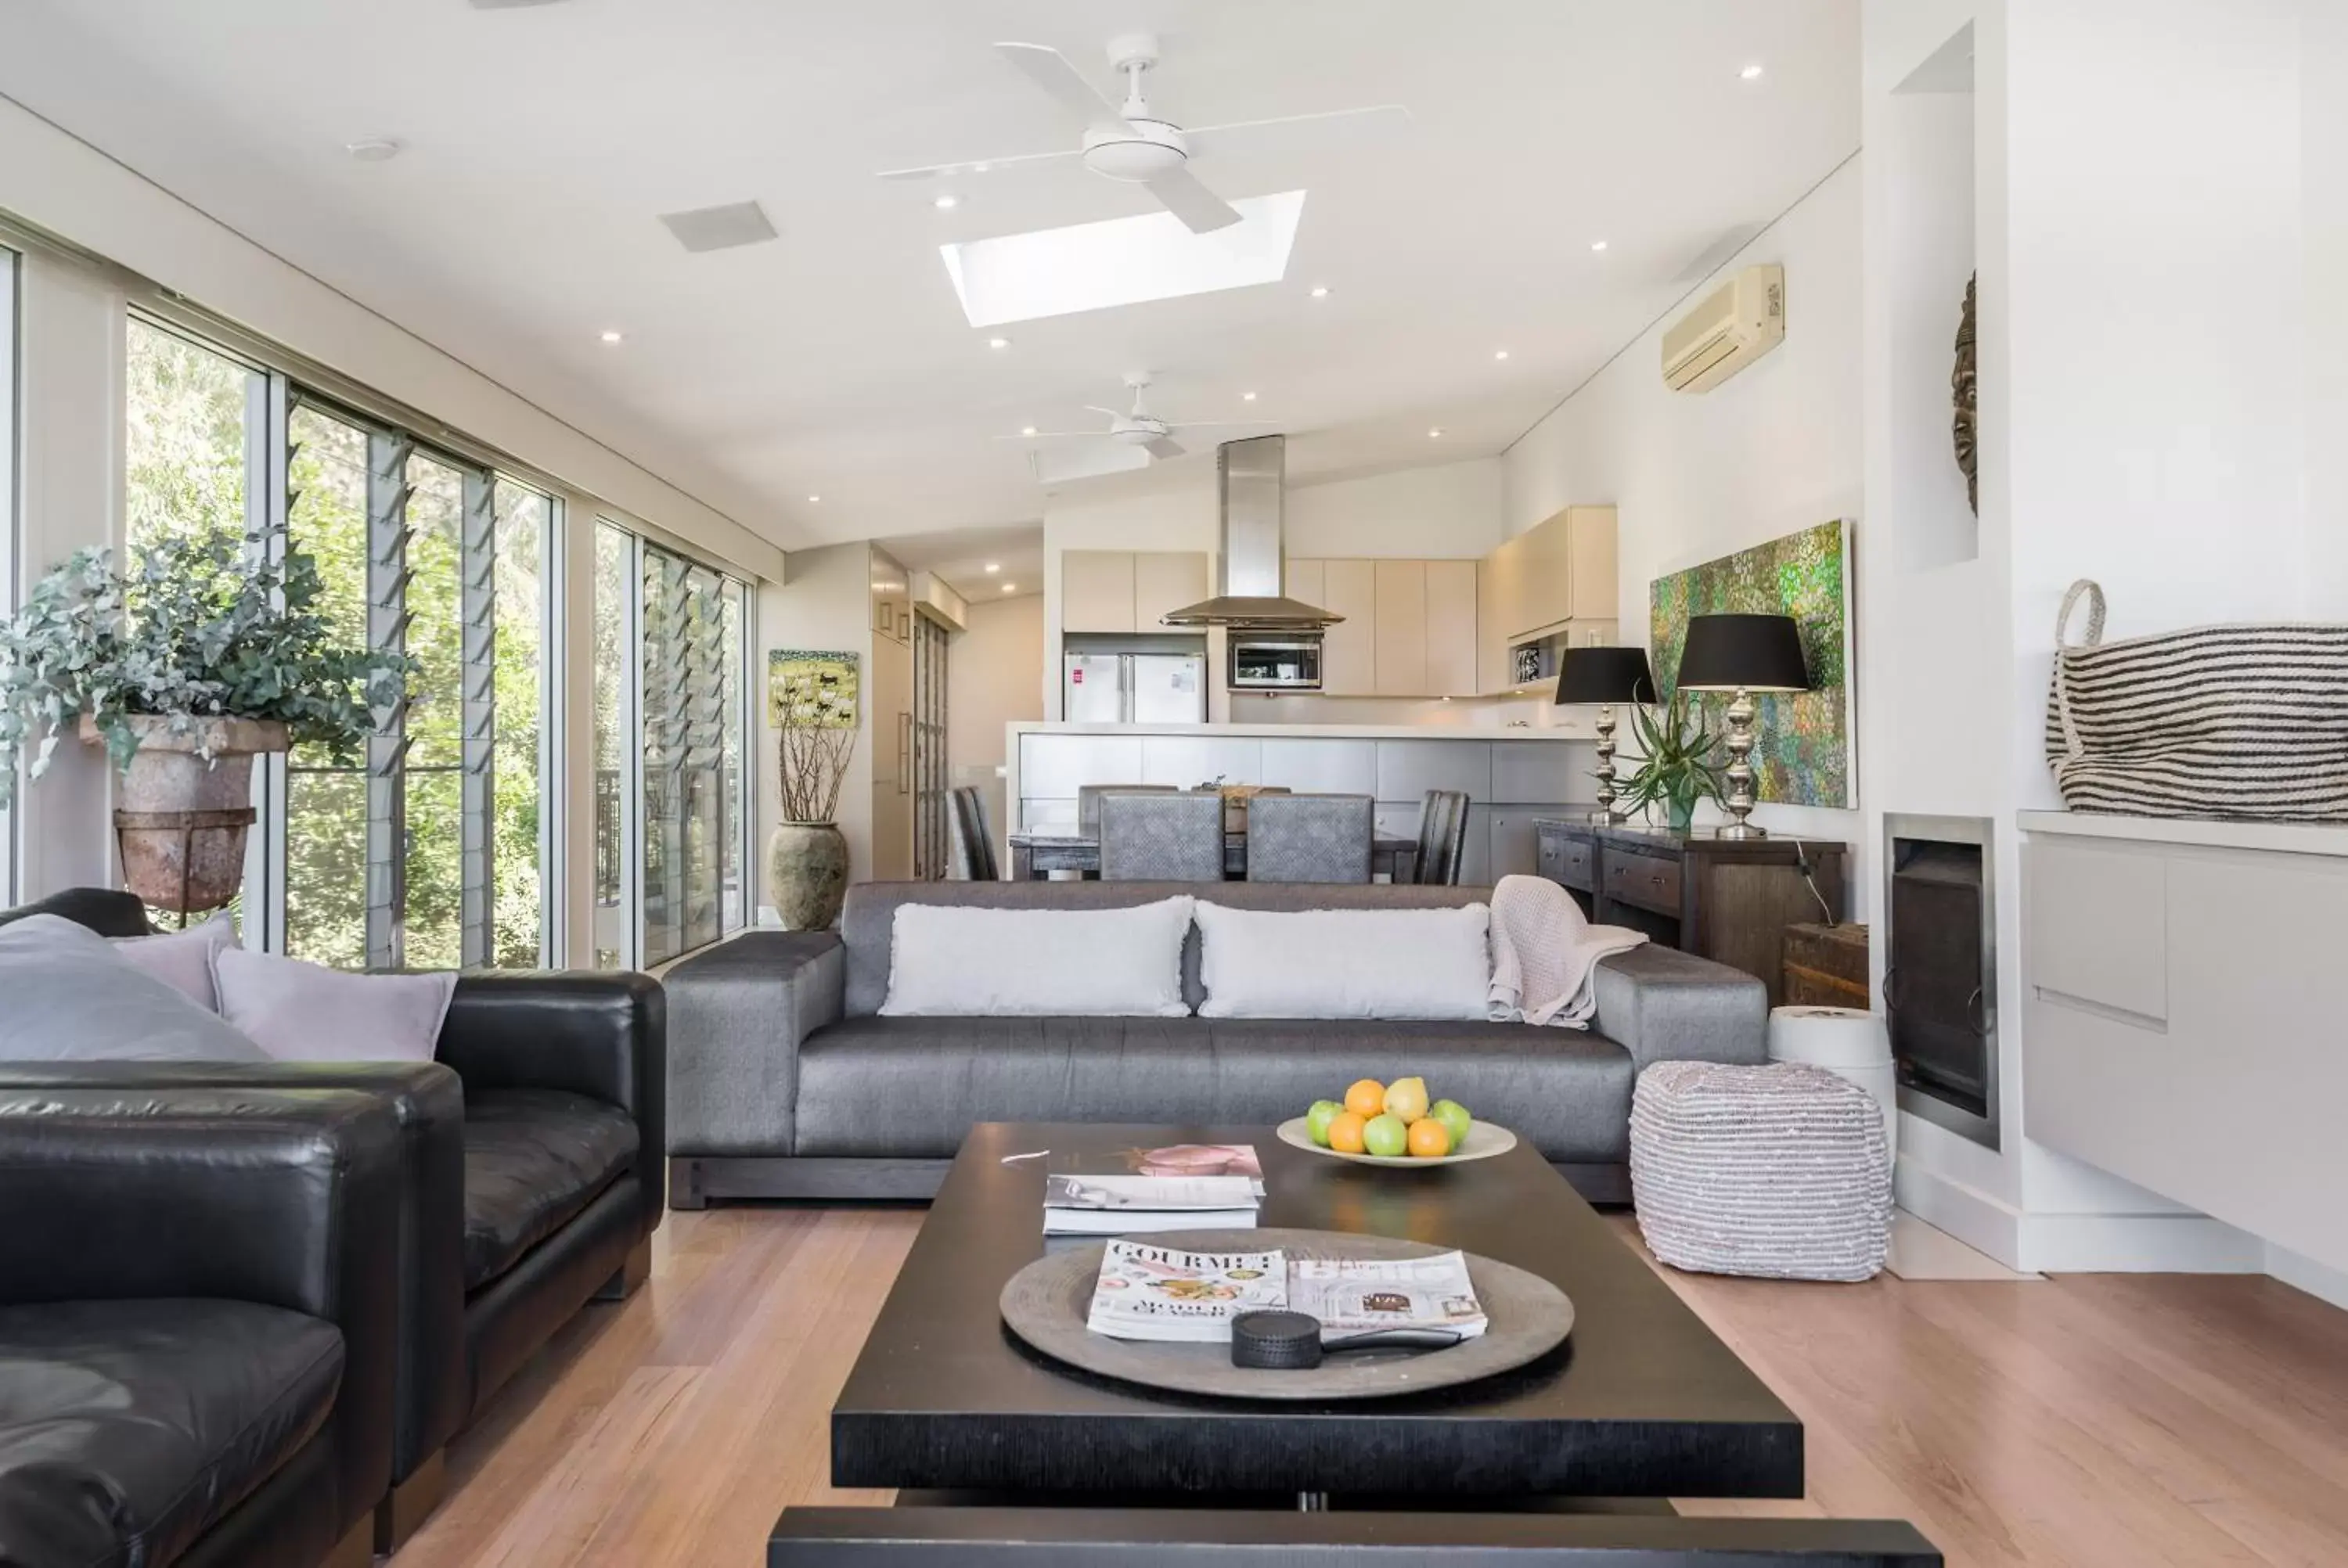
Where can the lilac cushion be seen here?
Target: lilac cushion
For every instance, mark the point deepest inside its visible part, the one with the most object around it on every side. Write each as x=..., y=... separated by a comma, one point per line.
x=305, y=1012
x=182, y=959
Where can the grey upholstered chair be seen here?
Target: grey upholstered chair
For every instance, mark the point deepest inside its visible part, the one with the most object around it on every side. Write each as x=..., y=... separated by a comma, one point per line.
x=1088, y=799
x=1442, y=836
x=1162, y=837
x=1310, y=837
x=974, y=847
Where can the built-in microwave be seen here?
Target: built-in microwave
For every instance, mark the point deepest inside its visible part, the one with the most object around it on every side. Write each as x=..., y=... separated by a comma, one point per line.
x=1274, y=661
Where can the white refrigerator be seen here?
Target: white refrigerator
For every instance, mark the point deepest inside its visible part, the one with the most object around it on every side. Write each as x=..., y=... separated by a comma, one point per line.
x=1133, y=688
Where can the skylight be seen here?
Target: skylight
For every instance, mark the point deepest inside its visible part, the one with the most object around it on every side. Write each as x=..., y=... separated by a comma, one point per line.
x=1122, y=262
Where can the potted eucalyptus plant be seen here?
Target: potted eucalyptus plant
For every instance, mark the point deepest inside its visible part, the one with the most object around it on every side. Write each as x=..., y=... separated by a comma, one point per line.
x=204, y=655
x=1679, y=765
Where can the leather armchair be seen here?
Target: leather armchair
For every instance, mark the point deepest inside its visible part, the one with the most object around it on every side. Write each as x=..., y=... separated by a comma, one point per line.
x=198, y=1325
x=536, y=1071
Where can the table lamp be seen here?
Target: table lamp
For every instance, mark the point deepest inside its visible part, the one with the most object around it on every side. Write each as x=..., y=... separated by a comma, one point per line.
x=1743, y=654
x=1604, y=676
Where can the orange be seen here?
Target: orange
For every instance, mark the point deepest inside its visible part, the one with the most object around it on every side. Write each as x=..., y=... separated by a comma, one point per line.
x=1367, y=1097
x=1345, y=1132
x=1429, y=1139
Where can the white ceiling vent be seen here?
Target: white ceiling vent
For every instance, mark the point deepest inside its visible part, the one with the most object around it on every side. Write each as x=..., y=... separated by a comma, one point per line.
x=720, y=228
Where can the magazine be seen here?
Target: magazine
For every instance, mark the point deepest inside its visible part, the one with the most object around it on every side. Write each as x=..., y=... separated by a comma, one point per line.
x=1150, y=1292
x=1183, y=1186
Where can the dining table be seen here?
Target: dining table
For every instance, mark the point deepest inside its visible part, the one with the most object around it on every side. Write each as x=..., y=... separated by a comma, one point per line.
x=1036, y=856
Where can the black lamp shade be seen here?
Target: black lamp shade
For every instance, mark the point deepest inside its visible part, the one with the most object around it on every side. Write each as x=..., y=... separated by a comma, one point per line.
x=1743, y=652
x=1604, y=675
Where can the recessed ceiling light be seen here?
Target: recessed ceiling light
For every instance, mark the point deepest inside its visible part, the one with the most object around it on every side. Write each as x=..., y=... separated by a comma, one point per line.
x=1024, y=430
x=608, y=335
x=998, y=342
x=990, y=568
x=1247, y=397
x=1751, y=73
x=374, y=149
x=1597, y=245
x=1436, y=433
x=1499, y=354
x=947, y=203
x=979, y=168
x=813, y=499
x=1011, y=588
x=1320, y=291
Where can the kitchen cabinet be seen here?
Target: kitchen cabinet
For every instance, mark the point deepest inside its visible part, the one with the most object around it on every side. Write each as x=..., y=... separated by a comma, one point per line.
x=1409, y=629
x=1097, y=591
x=1561, y=572
x=1164, y=580
x=1128, y=590
x=1398, y=635
x=1349, y=666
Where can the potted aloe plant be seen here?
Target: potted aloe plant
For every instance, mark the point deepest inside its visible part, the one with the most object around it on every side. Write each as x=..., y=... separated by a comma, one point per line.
x=185, y=668
x=1679, y=766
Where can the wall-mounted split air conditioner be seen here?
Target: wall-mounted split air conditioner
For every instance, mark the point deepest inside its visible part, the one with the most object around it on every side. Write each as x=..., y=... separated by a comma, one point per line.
x=1738, y=323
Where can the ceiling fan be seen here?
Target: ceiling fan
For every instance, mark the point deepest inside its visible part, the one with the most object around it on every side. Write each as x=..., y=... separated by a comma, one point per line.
x=1139, y=428
x=1127, y=140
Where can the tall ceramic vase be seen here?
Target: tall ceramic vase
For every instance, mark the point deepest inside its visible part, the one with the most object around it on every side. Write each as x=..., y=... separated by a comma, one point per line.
x=181, y=817
x=807, y=874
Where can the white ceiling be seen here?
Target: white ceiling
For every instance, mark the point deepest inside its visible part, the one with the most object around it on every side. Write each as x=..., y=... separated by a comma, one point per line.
x=542, y=141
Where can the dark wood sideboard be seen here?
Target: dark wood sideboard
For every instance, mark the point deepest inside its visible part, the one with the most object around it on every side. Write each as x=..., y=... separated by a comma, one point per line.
x=1728, y=899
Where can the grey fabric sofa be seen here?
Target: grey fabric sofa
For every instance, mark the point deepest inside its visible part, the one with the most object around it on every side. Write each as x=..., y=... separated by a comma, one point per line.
x=786, y=1082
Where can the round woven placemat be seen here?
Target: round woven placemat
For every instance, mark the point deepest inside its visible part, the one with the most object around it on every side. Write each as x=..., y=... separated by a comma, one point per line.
x=1045, y=1303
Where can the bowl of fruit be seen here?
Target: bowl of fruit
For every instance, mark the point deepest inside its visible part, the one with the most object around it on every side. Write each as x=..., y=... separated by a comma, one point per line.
x=1395, y=1124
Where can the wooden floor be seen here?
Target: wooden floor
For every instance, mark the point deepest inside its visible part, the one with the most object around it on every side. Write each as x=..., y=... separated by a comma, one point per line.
x=2090, y=1420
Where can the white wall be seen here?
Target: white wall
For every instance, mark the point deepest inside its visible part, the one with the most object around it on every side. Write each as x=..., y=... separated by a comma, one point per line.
x=2324, y=114
x=989, y=683
x=1448, y=511
x=1773, y=450
x=825, y=604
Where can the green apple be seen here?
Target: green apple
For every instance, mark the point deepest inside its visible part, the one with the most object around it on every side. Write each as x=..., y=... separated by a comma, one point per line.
x=1387, y=1134
x=1317, y=1120
x=1455, y=1119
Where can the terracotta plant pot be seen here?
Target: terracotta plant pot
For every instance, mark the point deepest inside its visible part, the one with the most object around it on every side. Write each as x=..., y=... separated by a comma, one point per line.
x=807, y=874
x=181, y=819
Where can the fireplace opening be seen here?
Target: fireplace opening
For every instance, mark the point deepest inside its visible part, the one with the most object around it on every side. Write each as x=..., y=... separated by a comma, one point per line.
x=1940, y=978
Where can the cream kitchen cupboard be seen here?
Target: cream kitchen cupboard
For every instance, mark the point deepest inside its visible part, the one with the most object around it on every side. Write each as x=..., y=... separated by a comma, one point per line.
x=1128, y=590
x=1409, y=629
x=1558, y=573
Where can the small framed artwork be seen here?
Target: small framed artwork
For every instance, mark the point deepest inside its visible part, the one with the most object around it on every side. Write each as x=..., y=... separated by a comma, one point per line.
x=820, y=687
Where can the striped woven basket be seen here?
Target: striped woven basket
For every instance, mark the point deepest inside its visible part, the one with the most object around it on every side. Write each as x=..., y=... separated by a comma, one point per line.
x=2246, y=720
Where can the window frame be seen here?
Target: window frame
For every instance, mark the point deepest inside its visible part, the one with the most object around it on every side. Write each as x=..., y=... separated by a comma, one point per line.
x=10, y=535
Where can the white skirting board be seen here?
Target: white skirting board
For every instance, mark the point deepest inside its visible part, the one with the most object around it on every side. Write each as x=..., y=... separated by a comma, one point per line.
x=2325, y=1284
x=2077, y=1243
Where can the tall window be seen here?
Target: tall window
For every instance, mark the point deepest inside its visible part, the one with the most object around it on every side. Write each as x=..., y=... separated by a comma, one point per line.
x=427, y=851
x=7, y=516
x=672, y=722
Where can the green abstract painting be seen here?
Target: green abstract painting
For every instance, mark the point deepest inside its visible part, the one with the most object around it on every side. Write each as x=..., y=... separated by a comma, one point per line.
x=1803, y=752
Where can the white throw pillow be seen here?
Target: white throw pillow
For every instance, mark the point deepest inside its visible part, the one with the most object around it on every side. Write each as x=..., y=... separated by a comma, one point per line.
x=305, y=1012
x=1345, y=963
x=68, y=995
x=955, y=960
x=182, y=959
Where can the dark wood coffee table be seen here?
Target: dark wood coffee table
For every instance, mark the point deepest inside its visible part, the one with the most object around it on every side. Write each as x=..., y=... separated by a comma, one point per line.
x=1642, y=1401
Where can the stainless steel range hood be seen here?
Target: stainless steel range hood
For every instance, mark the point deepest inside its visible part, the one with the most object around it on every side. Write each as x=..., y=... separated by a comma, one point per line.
x=1252, y=474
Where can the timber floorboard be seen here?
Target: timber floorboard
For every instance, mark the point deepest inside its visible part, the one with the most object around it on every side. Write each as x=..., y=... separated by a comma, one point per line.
x=2083, y=1421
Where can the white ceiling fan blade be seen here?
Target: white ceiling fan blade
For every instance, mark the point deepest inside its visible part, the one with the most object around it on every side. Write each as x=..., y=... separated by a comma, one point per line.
x=1201, y=211
x=978, y=165
x=1049, y=70
x=1162, y=448
x=1096, y=408
x=1210, y=140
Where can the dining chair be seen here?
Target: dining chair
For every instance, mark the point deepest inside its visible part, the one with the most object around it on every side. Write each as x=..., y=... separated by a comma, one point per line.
x=1088, y=799
x=1161, y=837
x=1442, y=837
x=1311, y=838
x=973, y=858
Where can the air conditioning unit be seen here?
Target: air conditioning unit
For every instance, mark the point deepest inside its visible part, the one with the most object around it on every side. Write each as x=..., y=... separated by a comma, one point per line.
x=1738, y=323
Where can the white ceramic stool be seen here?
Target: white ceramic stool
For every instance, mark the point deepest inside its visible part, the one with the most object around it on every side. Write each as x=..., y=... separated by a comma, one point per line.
x=1849, y=1044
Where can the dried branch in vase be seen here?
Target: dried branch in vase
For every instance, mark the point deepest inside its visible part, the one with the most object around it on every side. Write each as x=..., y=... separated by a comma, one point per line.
x=815, y=756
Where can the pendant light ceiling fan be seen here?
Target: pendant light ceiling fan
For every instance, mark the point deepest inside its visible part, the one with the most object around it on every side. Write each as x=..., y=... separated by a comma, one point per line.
x=1141, y=427
x=1128, y=141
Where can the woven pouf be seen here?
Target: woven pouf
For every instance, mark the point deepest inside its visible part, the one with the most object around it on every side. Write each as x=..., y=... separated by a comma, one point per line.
x=1776, y=1170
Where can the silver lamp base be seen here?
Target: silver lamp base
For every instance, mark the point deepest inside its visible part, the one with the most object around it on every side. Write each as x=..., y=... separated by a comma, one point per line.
x=1740, y=802
x=1606, y=815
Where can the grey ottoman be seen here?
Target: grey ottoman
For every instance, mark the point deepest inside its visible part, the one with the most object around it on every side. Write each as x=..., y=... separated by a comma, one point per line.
x=1780, y=1171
